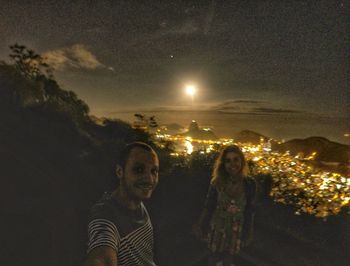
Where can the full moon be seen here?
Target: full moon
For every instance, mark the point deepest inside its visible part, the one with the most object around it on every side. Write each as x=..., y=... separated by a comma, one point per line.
x=190, y=90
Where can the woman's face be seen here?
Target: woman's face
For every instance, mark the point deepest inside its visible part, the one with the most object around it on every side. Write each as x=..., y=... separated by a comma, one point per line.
x=233, y=163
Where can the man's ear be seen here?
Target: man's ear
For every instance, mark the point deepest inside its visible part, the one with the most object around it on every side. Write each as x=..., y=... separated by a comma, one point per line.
x=119, y=171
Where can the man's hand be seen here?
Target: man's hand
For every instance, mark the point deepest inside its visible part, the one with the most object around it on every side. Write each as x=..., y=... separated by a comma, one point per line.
x=102, y=256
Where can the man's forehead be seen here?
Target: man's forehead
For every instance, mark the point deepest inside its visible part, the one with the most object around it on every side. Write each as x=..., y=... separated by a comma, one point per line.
x=142, y=156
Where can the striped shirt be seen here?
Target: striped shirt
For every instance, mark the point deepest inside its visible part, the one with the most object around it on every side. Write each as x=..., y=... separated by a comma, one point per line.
x=128, y=232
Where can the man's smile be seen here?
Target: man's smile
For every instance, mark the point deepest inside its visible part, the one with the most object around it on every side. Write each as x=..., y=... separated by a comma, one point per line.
x=144, y=186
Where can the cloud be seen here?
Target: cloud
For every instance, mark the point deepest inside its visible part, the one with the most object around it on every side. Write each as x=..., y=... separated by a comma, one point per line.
x=248, y=106
x=76, y=56
x=188, y=27
x=231, y=107
x=164, y=109
x=184, y=28
x=274, y=110
x=241, y=105
x=238, y=102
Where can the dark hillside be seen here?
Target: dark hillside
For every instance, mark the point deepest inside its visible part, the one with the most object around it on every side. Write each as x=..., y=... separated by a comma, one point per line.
x=248, y=136
x=326, y=150
x=50, y=175
x=55, y=164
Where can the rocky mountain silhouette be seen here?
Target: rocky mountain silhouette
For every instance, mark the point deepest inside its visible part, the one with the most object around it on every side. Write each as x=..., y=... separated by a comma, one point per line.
x=194, y=131
x=248, y=136
x=326, y=150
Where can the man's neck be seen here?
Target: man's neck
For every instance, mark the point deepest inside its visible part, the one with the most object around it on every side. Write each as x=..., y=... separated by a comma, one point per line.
x=122, y=197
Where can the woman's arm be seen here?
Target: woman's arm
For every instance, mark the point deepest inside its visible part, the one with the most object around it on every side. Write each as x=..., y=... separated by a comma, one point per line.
x=202, y=224
x=249, y=213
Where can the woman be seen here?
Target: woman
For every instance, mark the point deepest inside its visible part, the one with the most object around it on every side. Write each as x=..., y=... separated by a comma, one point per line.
x=227, y=217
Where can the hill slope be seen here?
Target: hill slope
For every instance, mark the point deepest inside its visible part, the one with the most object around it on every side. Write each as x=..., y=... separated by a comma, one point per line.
x=326, y=150
x=55, y=163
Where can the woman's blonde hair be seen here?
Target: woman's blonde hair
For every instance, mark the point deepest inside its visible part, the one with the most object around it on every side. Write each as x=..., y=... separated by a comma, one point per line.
x=220, y=176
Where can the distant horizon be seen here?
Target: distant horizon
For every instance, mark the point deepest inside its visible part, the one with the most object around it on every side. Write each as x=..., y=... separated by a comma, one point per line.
x=225, y=125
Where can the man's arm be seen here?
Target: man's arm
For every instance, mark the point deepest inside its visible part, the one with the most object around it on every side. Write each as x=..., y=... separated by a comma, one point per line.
x=104, y=241
x=102, y=256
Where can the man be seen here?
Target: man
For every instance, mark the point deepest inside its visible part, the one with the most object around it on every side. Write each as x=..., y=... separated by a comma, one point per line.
x=120, y=230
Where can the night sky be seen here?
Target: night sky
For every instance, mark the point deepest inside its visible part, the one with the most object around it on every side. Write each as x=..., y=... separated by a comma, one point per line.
x=278, y=67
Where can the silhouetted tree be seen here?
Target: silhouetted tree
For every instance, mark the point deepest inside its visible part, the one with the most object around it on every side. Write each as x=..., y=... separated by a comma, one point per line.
x=144, y=122
x=33, y=85
x=29, y=63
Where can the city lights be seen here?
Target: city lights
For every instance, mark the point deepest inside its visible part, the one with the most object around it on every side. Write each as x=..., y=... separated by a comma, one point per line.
x=294, y=181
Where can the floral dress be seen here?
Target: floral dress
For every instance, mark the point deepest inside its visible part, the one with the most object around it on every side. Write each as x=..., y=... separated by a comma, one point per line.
x=225, y=228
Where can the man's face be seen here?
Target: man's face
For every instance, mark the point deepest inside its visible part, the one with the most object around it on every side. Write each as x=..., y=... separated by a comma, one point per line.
x=140, y=175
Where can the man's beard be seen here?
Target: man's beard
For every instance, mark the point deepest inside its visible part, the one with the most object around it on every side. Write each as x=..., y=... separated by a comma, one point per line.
x=129, y=193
